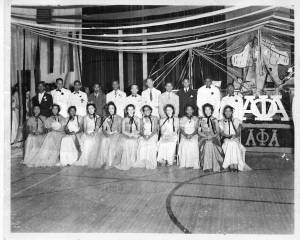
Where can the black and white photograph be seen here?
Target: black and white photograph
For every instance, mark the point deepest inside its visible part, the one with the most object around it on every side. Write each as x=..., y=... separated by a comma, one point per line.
x=142, y=118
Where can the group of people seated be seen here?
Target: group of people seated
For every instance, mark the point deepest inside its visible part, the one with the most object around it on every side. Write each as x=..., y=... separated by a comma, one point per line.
x=191, y=130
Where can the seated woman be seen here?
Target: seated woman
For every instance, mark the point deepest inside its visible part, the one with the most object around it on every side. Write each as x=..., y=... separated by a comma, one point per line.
x=234, y=151
x=130, y=133
x=147, y=149
x=188, y=151
x=90, y=140
x=35, y=128
x=109, y=153
x=169, y=136
x=70, y=149
x=211, y=154
x=48, y=154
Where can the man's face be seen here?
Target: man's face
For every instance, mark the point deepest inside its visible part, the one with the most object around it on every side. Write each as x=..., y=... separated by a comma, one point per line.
x=134, y=89
x=169, y=87
x=59, y=84
x=186, y=83
x=96, y=88
x=115, y=85
x=149, y=83
x=230, y=90
x=208, y=82
x=41, y=88
x=77, y=86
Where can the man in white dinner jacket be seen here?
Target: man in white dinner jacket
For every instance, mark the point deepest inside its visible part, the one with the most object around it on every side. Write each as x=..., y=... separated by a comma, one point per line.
x=208, y=94
x=118, y=97
x=61, y=96
x=234, y=101
x=135, y=99
x=150, y=97
x=78, y=99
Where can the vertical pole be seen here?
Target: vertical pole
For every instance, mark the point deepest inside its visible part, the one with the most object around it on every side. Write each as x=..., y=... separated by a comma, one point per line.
x=190, y=59
x=145, y=59
x=21, y=83
x=121, y=66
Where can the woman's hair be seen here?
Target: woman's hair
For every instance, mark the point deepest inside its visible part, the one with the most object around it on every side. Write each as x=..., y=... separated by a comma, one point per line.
x=169, y=106
x=128, y=106
x=71, y=107
x=227, y=107
x=189, y=105
x=207, y=105
x=146, y=106
x=55, y=105
x=110, y=104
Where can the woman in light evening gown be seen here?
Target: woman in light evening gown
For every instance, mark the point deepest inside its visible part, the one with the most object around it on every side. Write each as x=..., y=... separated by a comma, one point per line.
x=147, y=148
x=169, y=137
x=48, y=155
x=35, y=128
x=109, y=153
x=70, y=149
x=234, y=151
x=188, y=151
x=129, y=143
x=211, y=154
x=90, y=140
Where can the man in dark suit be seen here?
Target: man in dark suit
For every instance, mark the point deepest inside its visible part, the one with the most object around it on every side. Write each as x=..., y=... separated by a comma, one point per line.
x=43, y=99
x=98, y=98
x=187, y=96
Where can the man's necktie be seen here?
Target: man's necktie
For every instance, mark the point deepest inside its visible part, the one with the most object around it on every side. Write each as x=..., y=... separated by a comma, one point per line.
x=151, y=97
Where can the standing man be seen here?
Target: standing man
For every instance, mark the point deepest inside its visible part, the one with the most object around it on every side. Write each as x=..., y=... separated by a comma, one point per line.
x=234, y=101
x=43, y=99
x=99, y=99
x=150, y=97
x=208, y=94
x=61, y=96
x=187, y=96
x=136, y=100
x=118, y=97
x=168, y=97
x=78, y=99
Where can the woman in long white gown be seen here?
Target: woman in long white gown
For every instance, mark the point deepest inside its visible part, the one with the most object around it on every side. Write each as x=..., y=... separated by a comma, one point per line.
x=188, y=150
x=234, y=151
x=35, y=128
x=90, y=140
x=70, y=149
x=169, y=137
x=14, y=115
x=147, y=148
x=109, y=153
x=131, y=127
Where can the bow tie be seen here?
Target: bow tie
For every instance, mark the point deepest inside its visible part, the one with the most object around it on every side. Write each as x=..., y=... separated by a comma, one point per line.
x=134, y=96
x=208, y=87
x=57, y=90
x=231, y=95
x=76, y=92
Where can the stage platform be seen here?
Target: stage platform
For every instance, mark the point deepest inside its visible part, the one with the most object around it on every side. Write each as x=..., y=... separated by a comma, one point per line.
x=164, y=200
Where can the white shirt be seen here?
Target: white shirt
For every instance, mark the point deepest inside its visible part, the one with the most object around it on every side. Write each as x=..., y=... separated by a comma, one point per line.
x=137, y=102
x=236, y=102
x=209, y=95
x=154, y=103
x=40, y=95
x=62, y=99
x=79, y=100
x=119, y=99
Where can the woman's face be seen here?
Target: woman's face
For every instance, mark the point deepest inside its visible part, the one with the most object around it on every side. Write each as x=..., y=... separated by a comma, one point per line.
x=72, y=112
x=169, y=111
x=228, y=113
x=130, y=111
x=91, y=109
x=147, y=111
x=36, y=111
x=55, y=110
x=111, y=109
x=189, y=111
x=207, y=111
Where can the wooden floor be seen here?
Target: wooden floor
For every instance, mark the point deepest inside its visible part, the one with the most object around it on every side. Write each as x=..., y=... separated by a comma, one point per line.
x=165, y=200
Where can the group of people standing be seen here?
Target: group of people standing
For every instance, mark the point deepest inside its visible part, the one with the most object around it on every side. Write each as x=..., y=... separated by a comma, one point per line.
x=191, y=129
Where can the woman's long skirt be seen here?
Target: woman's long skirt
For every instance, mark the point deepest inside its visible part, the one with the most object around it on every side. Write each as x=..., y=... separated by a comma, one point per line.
x=188, y=152
x=32, y=146
x=211, y=155
x=128, y=153
x=167, y=149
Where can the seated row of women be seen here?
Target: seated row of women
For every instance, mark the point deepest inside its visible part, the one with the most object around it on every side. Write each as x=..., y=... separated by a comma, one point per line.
x=148, y=142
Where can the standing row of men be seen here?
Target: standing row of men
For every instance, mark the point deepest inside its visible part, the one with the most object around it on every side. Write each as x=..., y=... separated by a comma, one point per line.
x=151, y=96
